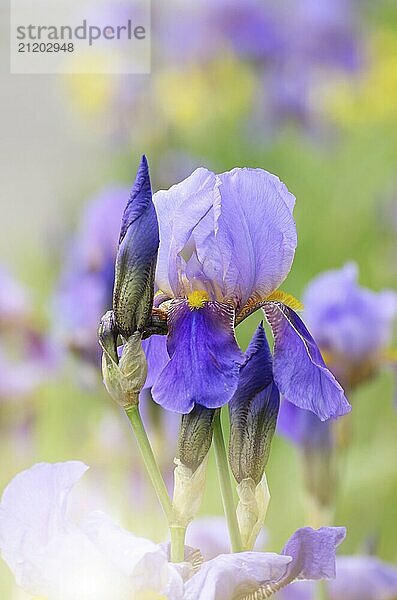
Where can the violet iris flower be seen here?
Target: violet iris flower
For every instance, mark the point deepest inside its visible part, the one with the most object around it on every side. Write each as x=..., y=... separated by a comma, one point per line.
x=227, y=243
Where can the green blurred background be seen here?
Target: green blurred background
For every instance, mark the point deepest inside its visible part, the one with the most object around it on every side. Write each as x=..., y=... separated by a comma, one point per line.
x=64, y=138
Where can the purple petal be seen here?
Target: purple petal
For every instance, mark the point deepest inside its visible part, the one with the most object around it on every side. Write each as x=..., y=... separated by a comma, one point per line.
x=308, y=554
x=303, y=427
x=136, y=257
x=253, y=411
x=251, y=249
x=313, y=553
x=234, y=233
x=155, y=348
x=300, y=373
x=179, y=210
x=204, y=358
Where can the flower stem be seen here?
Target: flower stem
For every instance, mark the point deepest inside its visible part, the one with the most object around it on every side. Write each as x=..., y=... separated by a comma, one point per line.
x=150, y=461
x=322, y=587
x=226, y=485
x=177, y=543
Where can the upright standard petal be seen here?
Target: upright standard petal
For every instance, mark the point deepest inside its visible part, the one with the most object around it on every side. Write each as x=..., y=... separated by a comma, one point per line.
x=300, y=372
x=33, y=510
x=231, y=234
x=251, y=251
x=179, y=210
x=136, y=257
x=204, y=358
x=253, y=411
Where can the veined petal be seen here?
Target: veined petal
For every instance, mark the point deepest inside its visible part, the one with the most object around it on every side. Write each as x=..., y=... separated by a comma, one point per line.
x=253, y=411
x=309, y=554
x=33, y=511
x=136, y=257
x=204, y=358
x=180, y=209
x=313, y=554
x=253, y=248
x=232, y=233
x=230, y=576
x=300, y=372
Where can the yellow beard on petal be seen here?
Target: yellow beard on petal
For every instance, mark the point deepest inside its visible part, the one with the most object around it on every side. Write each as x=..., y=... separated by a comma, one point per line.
x=197, y=299
x=285, y=298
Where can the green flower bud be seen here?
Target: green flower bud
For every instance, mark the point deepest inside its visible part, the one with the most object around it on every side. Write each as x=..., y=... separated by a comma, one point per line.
x=125, y=377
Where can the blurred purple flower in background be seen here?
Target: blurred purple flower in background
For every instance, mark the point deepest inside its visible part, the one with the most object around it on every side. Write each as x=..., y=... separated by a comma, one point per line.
x=352, y=325
x=357, y=578
x=85, y=288
x=27, y=355
x=289, y=43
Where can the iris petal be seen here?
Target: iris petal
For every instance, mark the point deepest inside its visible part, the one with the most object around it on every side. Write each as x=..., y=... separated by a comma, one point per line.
x=300, y=372
x=204, y=358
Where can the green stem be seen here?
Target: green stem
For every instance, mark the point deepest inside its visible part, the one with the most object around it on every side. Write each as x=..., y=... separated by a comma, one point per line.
x=322, y=587
x=150, y=461
x=177, y=543
x=226, y=485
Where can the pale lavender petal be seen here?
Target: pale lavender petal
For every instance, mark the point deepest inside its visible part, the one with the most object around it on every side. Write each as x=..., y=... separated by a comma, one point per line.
x=179, y=210
x=227, y=574
x=33, y=511
x=204, y=358
x=251, y=249
x=299, y=369
x=231, y=234
x=313, y=553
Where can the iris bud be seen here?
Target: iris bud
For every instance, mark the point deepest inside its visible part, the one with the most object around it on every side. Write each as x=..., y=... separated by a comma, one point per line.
x=125, y=377
x=195, y=437
x=136, y=257
x=253, y=415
